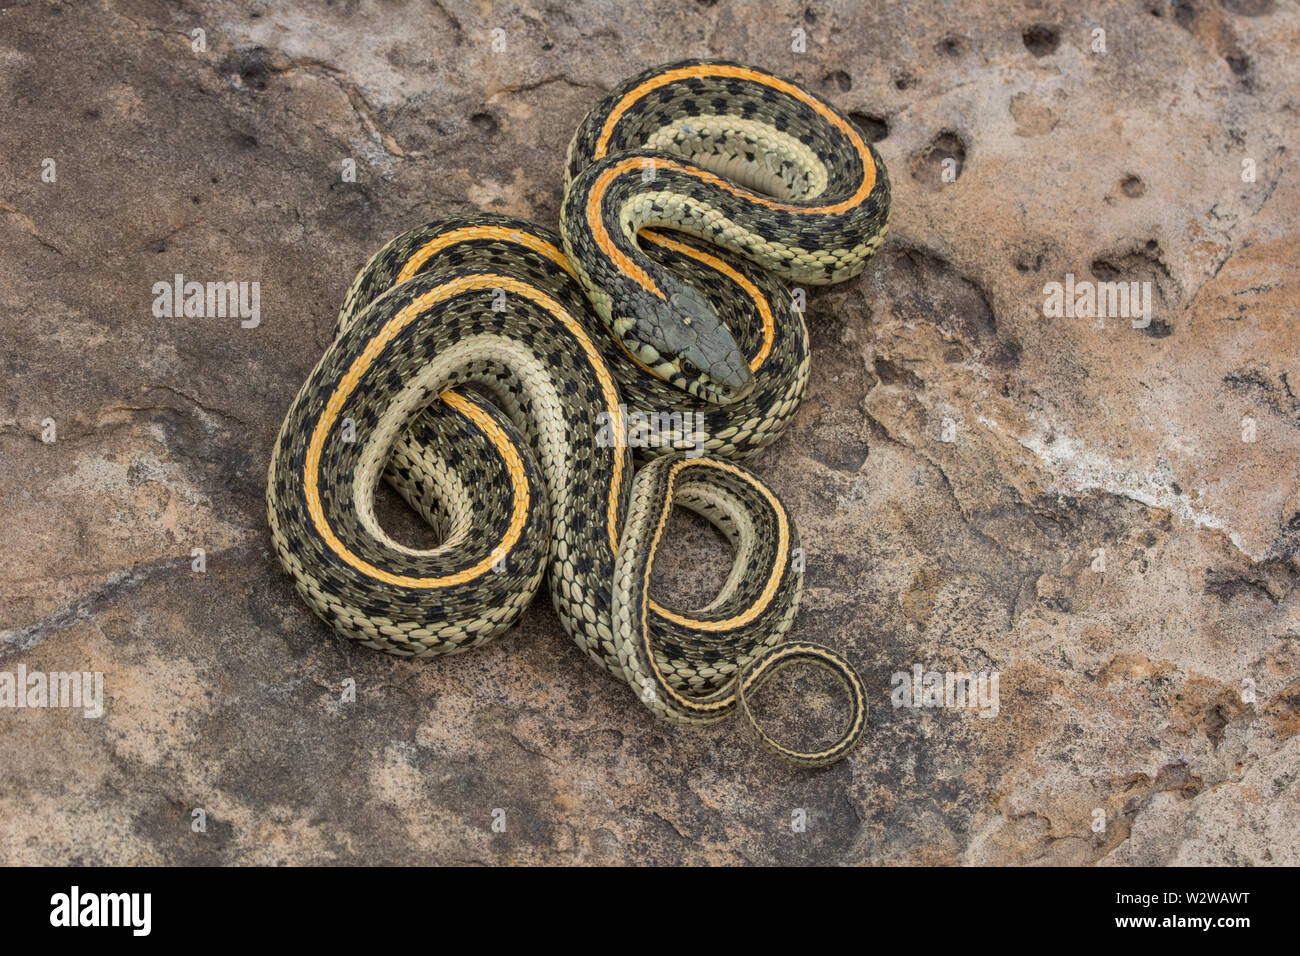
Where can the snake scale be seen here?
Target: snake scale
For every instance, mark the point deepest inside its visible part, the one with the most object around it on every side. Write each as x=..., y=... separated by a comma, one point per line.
x=495, y=373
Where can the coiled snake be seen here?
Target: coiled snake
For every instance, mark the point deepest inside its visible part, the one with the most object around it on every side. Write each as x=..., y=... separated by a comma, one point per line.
x=490, y=369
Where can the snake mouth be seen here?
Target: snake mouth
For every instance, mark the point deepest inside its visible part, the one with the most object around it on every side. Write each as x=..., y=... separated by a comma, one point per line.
x=735, y=383
x=745, y=390
x=715, y=391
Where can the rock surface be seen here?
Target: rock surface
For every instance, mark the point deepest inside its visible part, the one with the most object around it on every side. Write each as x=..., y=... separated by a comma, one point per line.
x=1075, y=505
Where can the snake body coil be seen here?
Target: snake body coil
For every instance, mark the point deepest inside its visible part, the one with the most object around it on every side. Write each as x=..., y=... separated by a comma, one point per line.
x=489, y=369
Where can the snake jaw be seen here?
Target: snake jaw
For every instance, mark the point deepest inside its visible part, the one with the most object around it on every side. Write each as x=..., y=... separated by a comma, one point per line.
x=725, y=378
x=680, y=339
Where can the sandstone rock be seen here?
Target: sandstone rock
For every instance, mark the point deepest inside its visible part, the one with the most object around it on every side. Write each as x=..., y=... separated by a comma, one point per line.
x=960, y=467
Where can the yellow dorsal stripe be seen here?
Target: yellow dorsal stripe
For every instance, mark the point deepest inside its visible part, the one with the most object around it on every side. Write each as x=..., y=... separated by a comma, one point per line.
x=469, y=233
x=374, y=347
x=601, y=235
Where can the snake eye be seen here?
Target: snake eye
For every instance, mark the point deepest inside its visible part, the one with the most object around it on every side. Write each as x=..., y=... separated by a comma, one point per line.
x=689, y=367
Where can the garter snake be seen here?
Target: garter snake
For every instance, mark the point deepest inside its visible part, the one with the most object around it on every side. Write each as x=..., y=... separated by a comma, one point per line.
x=480, y=365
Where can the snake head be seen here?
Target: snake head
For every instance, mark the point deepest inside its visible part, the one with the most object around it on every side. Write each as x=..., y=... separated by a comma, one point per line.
x=681, y=340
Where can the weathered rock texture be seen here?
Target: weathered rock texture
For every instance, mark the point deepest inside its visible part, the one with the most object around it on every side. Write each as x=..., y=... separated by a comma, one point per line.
x=960, y=465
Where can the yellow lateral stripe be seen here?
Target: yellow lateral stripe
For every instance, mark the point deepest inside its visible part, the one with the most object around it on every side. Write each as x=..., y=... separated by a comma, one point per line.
x=778, y=566
x=760, y=300
x=743, y=73
x=468, y=233
x=371, y=352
